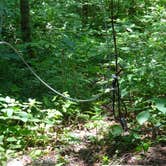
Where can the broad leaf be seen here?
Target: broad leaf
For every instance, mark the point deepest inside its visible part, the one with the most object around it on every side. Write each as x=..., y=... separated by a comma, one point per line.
x=116, y=130
x=11, y=139
x=23, y=116
x=1, y=139
x=142, y=117
x=9, y=112
x=160, y=104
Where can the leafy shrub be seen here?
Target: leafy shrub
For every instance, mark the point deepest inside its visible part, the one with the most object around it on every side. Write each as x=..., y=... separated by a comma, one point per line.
x=25, y=124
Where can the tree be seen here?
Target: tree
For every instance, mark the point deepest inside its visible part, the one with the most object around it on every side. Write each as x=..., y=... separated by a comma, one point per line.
x=25, y=20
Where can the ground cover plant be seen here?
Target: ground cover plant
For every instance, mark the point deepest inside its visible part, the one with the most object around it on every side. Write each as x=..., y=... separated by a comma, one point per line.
x=70, y=45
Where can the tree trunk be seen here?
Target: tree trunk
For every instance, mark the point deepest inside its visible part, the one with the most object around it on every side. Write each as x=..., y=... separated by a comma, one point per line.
x=132, y=8
x=25, y=20
x=85, y=13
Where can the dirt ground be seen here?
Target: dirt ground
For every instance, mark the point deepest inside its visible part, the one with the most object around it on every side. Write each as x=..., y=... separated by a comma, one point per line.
x=89, y=147
x=83, y=155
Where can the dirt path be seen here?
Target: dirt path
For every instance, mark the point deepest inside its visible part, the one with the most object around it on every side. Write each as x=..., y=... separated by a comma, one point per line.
x=89, y=146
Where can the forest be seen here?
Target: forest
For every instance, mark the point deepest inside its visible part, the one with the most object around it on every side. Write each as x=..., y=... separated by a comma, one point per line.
x=82, y=82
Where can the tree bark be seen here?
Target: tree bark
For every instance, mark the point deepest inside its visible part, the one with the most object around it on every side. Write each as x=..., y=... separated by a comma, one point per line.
x=25, y=20
x=132, y=8
x=85, y=14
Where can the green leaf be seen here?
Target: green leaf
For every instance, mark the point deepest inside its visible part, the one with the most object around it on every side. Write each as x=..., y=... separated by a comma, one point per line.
x=125, y=48
x=116, y=130
x=2, y=149
x=142, y=117
x=160, y=104
x=24, y=116
x=146, y=146
x=11, y=139
x=36, y=153
x=3, y=118
x=24, y=119
x=13, y=146
x=34, y=120
x=1, y=139
x=9, y=112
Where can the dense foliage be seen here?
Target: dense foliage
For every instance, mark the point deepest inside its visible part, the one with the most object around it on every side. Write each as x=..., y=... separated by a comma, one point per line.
x=69, y=50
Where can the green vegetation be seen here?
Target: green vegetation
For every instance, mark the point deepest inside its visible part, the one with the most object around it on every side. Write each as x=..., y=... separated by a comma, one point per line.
x=69, y=44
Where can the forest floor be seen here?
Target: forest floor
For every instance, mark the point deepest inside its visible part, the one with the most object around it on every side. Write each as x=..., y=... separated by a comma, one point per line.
x=88, y=145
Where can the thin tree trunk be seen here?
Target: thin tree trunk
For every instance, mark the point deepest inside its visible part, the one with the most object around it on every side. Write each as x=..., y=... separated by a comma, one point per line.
x=25, y=20
x=85, y=12
x=132, y=8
